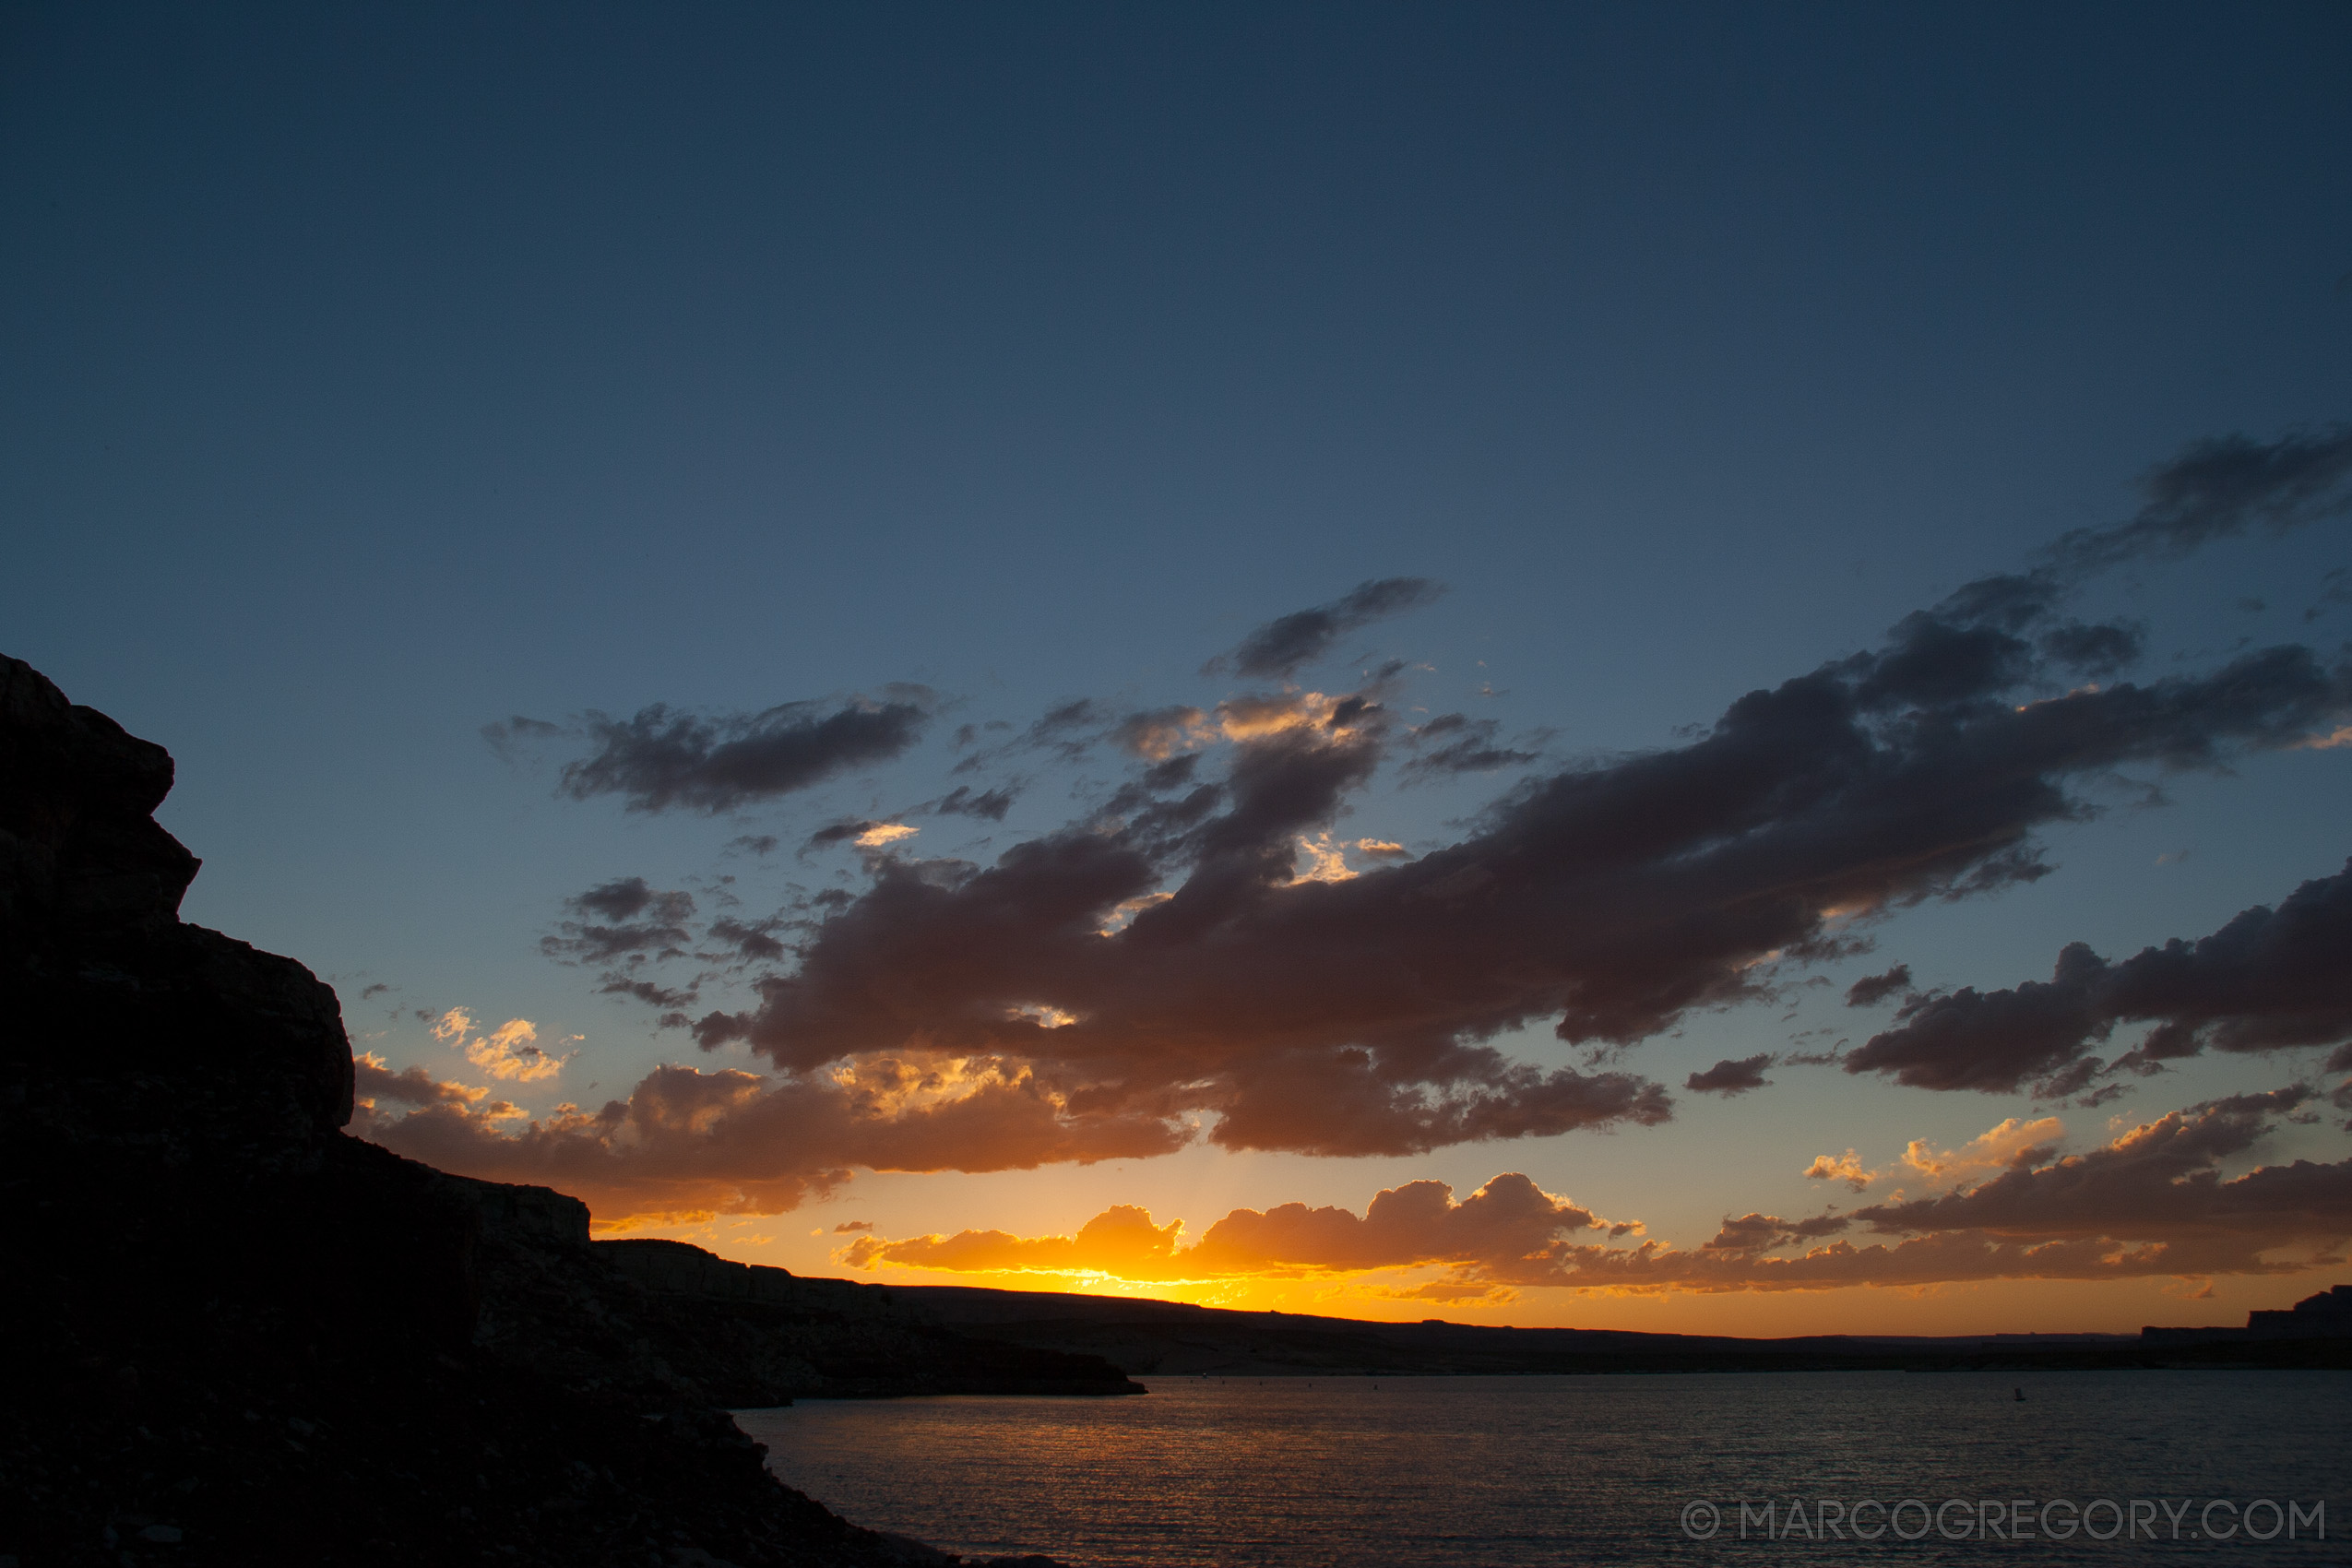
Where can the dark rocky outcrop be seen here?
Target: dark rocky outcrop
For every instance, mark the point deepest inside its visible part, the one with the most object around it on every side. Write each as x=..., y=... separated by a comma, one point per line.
x=236, y=1335
x=2324, y=1316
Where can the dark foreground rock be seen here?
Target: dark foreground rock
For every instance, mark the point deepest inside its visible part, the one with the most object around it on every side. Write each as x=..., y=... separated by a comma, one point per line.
x=236, y=1335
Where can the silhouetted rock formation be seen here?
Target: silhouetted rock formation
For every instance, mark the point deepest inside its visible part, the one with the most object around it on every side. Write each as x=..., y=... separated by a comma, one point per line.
x=237, y=1336
x=2327, y=1316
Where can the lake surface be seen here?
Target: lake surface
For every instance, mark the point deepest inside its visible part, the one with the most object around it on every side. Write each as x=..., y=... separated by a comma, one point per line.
x=1487, y=1472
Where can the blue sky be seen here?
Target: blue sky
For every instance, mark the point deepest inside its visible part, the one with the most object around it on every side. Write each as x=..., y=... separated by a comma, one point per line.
x=381, y=374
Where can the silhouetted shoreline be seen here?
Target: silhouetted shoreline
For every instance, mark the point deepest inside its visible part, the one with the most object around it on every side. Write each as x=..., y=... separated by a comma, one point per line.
x=1177, y=1339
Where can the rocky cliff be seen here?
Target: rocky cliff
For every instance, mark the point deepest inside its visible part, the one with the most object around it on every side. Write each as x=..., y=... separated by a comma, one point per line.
x=237, y=1336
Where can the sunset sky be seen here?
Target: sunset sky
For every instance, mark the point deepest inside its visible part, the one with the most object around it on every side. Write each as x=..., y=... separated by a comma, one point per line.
x=1532, y=664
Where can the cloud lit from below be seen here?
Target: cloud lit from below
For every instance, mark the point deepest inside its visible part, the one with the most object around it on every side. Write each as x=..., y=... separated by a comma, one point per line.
x=2150, y=1203
x=1207, y=951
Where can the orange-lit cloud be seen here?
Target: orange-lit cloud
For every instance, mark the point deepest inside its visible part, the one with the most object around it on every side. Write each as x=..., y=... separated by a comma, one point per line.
x=1419, y=1223
x=1998, y=1148
x=1847, y=1167
x=2149, y=1202
x=687, y=1142
x=511, y=1050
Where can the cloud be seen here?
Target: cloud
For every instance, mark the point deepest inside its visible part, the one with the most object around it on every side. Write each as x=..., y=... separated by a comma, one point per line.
x=651, y=992
x=990, y=805
x=1160, y=734
x=373, y=1081
x=1199, y=955
x=1996, y=1149
x=849, y=1226
x=1416, y=1225
x=1455, y=743
x=747, y=941
x=2222, y=488
x=1847, y=1167
x=865, y=833
x=1610, y=899
x=507, y=736
x=659, y=760
x=1729, y=1077
x=624, y=917
x=1872, y=990
x=2098, y=650
x=688, y=1143
x=1079, y=713
x=1277, y=648
x=511, y=1050
x=2150, y=1203
x=2335, y=588
x=2268, y=980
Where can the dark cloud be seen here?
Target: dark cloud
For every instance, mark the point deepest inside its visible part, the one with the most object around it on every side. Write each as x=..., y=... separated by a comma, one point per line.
x=1454, y=742
x=505, y=734
x=1159, y=734
x=372, y=1082
x=1080, y=713
x=623, y=917
x=1352, y=1015
x=1872, y=990
x=1198, y=958
x=2335, y=588
x=651, y=993
x=2219, y=489
x=1069, y=730
x=746, y=940
x=379, y=989
x=754, y=844
x=2096, y=650
x=1730, y=1077
x=1611, y=898
x=628, y=897
x=990, y=805
x=2270, y=979
x=850, y=1226
x=845, y=831
x=1279, y=647
x=660, y=759
x=1173, y=773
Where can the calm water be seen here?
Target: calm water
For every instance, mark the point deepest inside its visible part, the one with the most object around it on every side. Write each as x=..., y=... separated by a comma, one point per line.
x=1488, y=1472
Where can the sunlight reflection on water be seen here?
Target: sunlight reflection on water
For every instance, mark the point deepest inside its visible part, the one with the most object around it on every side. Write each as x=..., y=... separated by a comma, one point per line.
x=1510, y=1470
